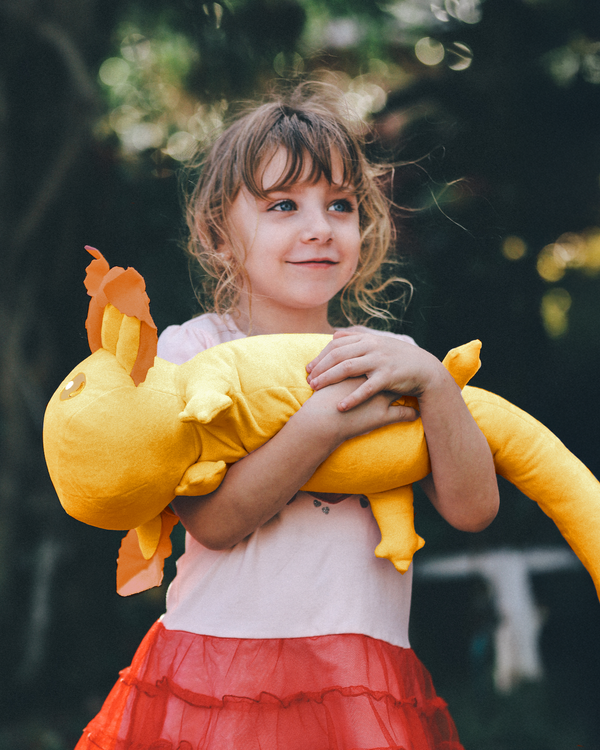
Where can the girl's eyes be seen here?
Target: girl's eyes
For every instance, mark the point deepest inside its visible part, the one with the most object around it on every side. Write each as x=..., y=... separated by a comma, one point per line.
x=339, y=206
x=285, y=205
x=342, y=205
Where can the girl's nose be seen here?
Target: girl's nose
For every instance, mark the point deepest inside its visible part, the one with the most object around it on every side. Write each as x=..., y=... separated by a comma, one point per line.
x=317, y=227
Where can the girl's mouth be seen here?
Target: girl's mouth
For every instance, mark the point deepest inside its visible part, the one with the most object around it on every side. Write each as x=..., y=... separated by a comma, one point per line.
x=314, y=263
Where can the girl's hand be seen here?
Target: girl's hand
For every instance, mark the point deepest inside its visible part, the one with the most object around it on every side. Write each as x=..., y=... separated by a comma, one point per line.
x=328, y=422
x=462, y=485
x=388, y=364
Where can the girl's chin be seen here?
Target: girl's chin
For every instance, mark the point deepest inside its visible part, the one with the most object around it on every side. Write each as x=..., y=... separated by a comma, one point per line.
x=316, y=304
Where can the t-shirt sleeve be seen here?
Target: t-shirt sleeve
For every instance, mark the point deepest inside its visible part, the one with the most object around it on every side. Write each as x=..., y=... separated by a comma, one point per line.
x=178, y=344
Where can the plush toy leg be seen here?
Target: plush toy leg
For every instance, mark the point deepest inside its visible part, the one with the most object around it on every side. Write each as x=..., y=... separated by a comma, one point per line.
x=137, y=573
x=394, y=513
x=149, y=536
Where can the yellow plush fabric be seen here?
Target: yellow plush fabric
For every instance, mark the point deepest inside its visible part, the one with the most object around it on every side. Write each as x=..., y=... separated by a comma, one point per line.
x=530, y=456
x=119, y=453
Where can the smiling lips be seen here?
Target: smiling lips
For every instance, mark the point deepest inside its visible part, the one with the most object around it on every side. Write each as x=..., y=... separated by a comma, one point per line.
x=314, y=263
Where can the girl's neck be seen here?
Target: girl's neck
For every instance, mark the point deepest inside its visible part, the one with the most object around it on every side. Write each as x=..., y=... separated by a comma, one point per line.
x=261, y=320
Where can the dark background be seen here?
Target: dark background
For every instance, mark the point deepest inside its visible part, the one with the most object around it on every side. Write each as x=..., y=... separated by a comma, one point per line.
x=508, y=147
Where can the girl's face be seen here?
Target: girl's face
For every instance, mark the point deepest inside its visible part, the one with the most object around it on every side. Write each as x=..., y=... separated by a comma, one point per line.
x=301, y=246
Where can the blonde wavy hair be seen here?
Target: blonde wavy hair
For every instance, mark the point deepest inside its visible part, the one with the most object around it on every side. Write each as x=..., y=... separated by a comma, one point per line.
x=312, y=125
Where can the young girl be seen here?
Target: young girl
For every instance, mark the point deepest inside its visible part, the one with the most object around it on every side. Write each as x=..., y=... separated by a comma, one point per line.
x=282, y=629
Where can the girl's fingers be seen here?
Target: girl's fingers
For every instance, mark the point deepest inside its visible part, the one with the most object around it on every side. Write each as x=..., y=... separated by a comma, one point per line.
x=350, y=361
x=392, y=414
x=403, y=414
x=348, y=368
x=351, y=331
x=359, y=396
x=366, y=390
x=331, y=349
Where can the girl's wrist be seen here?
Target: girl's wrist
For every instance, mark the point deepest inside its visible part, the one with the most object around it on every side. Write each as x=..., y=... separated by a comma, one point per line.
x=439, y=386
x=317, y=428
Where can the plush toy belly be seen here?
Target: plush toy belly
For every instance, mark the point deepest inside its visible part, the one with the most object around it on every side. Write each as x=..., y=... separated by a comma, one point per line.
x=241, y=393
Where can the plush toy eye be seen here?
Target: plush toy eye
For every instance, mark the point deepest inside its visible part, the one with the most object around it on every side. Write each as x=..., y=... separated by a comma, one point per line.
x=73, y=387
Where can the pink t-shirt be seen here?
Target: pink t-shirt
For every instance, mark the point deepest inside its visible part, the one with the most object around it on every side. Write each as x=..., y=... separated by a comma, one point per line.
x=309, y=571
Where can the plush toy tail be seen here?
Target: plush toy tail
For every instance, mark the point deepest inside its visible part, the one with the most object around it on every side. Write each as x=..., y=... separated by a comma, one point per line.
x=131, y=336
x=530, y=456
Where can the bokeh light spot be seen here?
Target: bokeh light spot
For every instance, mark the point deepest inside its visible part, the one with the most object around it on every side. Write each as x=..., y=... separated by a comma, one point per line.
x=364, y=97
x=215, y=10
x=439, y=11
x=123, y=118
x=514, y=248
x=136, y=48
x=590, y=65
x=341, y=33
x=204, y=123
x=181, y=145
x=114, y=71
x=563, y=65
x=467, y=11
x=555, y=307
x=592, y=259
x=460, y=56
x=579, y=250
x=549, y=265
x=429, y=51
x=144, y=135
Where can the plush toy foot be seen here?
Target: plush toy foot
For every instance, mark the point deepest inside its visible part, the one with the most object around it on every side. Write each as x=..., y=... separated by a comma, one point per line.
x=393, y=511
x=401, y=560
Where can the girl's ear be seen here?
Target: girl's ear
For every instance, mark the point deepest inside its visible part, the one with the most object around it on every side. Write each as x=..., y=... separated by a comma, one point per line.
x=224, y=251
x=222, y=244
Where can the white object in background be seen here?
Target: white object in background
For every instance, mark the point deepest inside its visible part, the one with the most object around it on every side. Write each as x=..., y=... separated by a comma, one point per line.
x=508, y=575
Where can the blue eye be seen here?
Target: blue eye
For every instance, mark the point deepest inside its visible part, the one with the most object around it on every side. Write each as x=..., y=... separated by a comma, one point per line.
x=286, y=205
x=342, y=206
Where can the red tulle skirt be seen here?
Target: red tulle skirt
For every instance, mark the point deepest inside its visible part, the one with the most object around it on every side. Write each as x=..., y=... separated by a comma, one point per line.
x=335, y=692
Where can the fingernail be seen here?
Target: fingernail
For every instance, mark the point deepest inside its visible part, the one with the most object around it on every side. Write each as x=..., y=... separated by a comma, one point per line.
x=343, y=405
x=309, y=367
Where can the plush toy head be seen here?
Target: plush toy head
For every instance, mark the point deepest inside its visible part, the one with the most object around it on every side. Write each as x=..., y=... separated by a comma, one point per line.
x=96, y=450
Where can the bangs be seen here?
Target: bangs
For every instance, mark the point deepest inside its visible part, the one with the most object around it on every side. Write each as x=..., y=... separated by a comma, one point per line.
x=311, y=145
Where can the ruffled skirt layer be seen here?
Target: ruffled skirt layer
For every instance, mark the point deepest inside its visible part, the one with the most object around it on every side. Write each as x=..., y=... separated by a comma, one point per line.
x=336, y=692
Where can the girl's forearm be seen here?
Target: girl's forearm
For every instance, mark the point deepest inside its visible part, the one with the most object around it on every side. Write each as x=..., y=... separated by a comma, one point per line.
x=255, y=488
x=260, y=485
x=462, y=485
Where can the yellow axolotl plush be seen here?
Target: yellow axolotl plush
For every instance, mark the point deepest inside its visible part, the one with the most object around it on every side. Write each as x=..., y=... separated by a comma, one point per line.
x=126, y=432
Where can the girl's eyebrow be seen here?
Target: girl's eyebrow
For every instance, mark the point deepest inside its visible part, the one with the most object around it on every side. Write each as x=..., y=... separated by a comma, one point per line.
x=350, y=189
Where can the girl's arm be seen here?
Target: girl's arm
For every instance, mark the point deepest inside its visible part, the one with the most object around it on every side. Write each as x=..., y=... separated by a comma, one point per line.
x=262, y=483
x=462, y=484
